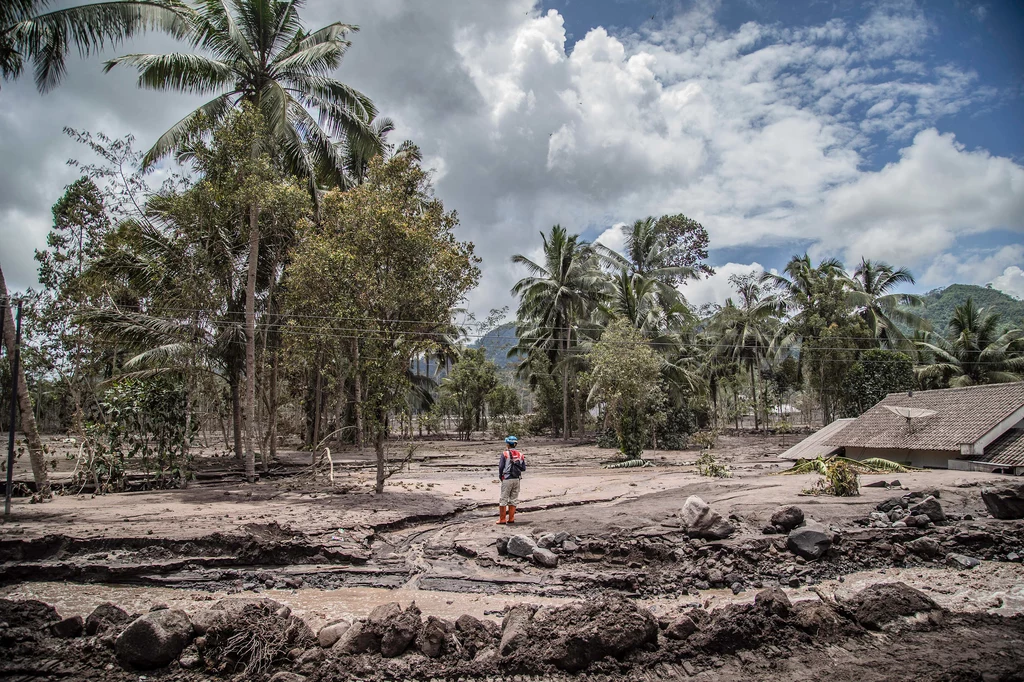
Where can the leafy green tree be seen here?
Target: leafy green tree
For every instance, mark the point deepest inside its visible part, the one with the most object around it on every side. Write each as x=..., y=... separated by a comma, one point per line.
x=687, y=243
x=882, y=310
x=555, y=299
x=393, y=269
x=973, y=352
x=626, y=373
x=468, y=385
x=876, y=374
x=41, y=33
x=261, y=54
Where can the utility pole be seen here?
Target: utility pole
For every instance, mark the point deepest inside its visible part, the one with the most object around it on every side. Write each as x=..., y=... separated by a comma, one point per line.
x=14, y=410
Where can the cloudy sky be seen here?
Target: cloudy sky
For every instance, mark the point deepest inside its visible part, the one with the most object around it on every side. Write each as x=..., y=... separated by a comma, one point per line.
x=885, y=130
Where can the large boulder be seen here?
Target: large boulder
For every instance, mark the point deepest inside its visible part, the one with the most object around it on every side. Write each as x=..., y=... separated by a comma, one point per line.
x=700, y=521
x=882, y=603
x=545, y=557
x=474, y=634
x=69, y=627
x=433, y=637
x=788, y=518
x=810, y=541
x=105, y=617
x=514, y=628
x=1005, y=501
x=521, y=546
x=681, y=628
x=399, y=631
x=574, y=636
x=773, y=600
x=361, y=638
x=224, y=614
x=332, y=632
x=931, y=508
x=924, y=546
x=154, y=639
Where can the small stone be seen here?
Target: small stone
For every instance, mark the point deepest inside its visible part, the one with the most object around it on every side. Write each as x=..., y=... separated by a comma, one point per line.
x=788, y=518
x=962, y=561
x=547, y=541
x=924, y=546
x=891, y=503
x=570, y=546
x=810, y=541
x=285, y=676
x=700, y=521
x=681, y=628
x=104, y=617
x=432, y=637
x=931, y=508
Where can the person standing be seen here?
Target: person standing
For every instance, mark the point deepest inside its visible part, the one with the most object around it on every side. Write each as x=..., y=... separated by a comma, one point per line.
x=511, y=465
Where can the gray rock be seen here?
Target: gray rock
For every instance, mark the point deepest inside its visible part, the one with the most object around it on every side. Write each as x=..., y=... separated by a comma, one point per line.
x=69, y=627
x=962, y=561
x=569, y=546
x=521, y=546
x=285, y=676
x=547, y=541
x=399, y=632
x=898, y=514
x=514, y=628
x=545, y=557
x=385, y=611
x=105, y=617
x=154, y=640
x=924, y=546
x=774, y=600
x=502, y=545
x=810, y=541
x=358, y=639
x=891, y=503
x=920, y=520
x=1004, y=502
x=701, y=521
x=681, y=628
x=432, y=637
x=788, y=518
x=332, y=632
x=931, y=508
x=561, y=537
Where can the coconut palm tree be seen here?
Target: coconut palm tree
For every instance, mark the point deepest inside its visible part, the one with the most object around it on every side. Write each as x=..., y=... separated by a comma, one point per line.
x=260, y=53
x=872, y=298
x=974, y=352
x=555, y=298
x=796, y=286
x=37, y=32
x=648, y=255
x=745, y=332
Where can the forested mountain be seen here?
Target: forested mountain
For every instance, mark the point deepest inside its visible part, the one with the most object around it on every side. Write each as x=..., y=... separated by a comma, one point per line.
x=497, y=343
x=939, y=304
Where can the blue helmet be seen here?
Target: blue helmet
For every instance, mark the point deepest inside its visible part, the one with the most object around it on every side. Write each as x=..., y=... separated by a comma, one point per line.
x=511, y=441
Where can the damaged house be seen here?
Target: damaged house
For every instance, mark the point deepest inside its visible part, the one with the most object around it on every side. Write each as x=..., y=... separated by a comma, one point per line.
x=975, y=428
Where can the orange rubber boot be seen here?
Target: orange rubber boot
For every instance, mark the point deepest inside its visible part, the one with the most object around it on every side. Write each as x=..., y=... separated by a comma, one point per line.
x=501, y=515
x=511, y=514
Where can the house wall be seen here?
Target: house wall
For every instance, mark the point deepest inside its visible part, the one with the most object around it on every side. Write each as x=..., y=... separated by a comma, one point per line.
x=933, y=459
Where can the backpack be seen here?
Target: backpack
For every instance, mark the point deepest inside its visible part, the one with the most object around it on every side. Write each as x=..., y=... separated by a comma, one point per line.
x=518, y=462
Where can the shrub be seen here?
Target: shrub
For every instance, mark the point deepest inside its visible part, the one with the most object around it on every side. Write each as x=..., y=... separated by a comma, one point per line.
x=706, y=439
x=708, y=465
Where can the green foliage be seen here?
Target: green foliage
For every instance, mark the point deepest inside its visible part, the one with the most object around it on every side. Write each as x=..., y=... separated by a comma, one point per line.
x=838, y=479
x=679, y=423
x=466, y=389
x=147, y=425
x=706, y=439
x=975, y=351
x=625, y=374
x=874, y=465
x=708, y=465
x=875, y=375
x=688, y=241
x=940, y=305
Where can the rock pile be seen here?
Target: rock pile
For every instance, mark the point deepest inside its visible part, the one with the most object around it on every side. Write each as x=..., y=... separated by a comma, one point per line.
x=913, y=510
x=544, y=551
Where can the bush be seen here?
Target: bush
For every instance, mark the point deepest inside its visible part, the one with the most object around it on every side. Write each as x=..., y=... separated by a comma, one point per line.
x=675, y=431
x=608, y=439
x=706, y=439
x=708, y=465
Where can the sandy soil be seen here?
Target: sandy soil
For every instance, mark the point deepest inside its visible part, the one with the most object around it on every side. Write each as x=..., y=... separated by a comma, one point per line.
x=339, y=551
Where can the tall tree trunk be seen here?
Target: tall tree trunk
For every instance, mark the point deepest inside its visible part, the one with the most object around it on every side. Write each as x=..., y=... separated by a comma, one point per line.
x=273, y=403
x=339, y=410
x=250, y=345
x=28, y=420
x=380, y=434
x=753, y=388
x=358, y=403
x=318, y=398
x=236, y=410
x=565, y=384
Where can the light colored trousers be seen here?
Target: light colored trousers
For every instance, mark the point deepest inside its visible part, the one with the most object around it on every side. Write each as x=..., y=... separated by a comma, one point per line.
x=509, y=492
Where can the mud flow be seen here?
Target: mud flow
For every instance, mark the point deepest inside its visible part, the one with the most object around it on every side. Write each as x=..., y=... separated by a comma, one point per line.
x=648, y=573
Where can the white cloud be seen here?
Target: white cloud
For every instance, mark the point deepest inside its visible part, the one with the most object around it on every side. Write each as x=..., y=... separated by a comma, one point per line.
x=1011, y=282
x=717, y=287
x=999, y=266
x=614, y=237
x=764, y=134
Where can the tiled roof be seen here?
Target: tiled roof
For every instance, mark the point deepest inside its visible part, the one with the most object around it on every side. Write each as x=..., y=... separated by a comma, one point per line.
x=962, y=415
x=1008, y=449
x=814, y=445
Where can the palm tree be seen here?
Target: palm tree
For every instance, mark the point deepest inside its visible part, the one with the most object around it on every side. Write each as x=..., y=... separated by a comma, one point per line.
x=871, y=297
x=745, y=332
x=31, y=30
x=648, y=255
x=260, y=53
x=555, y=298
x=974, y=352
x=798, y=287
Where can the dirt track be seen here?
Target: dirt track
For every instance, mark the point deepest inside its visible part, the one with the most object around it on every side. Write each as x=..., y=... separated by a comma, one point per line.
x=431, y=539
